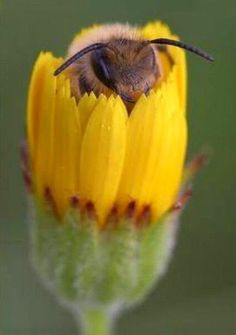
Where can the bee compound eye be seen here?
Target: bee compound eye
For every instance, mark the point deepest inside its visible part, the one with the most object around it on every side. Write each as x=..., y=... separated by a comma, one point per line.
x=101, y=68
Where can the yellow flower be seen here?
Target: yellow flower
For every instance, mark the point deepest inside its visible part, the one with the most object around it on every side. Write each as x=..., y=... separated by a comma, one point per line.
x=95, y=151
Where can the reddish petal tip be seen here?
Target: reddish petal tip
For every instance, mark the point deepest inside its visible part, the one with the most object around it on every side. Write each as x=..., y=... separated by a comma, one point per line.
x=74, y=201
x=182, y=201
x=197, y=162
x=50, y=200
x=24, y=153
x=112, y=217
x=27, y=179
x=90, y=210
x=145, y=216
x=130, y=210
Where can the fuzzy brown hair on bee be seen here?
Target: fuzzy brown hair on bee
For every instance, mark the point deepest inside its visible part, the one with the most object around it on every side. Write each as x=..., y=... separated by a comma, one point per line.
x=115, y=59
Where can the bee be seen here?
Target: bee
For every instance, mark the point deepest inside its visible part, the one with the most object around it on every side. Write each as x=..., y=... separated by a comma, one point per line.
x=115, y=59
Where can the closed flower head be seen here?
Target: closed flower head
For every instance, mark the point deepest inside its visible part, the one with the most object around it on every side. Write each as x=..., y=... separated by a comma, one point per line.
x=95, y=134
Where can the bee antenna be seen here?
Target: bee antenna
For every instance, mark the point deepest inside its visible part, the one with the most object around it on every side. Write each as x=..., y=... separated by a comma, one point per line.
x=78, y=55
x=185, y=46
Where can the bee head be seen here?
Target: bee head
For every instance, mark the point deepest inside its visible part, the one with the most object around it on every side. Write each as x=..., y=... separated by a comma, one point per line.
x=128, y=67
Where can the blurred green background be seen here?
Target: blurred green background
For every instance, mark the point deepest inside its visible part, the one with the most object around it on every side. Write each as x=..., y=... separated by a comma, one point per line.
x=198, y=296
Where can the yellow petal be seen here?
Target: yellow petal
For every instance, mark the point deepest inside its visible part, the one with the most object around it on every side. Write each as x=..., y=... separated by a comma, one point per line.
x=182, y=79
x=144, y=135
x=86, y=106
x=170, y=91
x=170, y=164
x=102, y=154
x=165, y=64
x=42, y=86
x=66, y=148
x=179, y=57
x=41, y=119
x=155, y=29
x=156, y=144
x=54, y=132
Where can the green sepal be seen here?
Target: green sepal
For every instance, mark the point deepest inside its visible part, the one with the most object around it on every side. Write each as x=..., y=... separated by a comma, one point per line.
x=87, y=267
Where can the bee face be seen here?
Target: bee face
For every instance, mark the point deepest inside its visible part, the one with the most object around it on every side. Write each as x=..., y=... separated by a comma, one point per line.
x=127, y=67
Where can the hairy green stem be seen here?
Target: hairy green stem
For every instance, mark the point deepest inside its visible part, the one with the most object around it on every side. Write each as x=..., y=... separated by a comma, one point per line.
x=96, y=322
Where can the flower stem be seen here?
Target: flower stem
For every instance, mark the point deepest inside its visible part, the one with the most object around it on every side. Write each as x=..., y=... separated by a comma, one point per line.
x=96, y=322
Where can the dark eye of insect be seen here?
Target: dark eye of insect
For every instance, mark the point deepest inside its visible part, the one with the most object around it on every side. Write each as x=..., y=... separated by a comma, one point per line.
x=100, y=65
